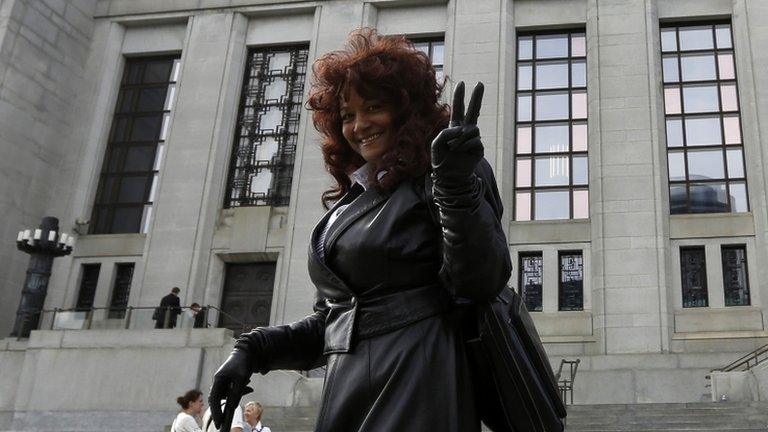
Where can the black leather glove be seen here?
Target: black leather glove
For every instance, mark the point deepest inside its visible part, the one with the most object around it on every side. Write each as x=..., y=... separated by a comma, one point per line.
x=457, y=150
x=229, y=383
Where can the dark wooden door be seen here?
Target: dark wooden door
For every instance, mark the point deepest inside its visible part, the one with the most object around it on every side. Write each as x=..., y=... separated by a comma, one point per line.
x=247, y=298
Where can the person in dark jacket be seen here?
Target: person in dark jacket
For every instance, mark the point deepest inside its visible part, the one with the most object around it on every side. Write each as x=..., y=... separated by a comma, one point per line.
x=170, y=305
x=413, y=231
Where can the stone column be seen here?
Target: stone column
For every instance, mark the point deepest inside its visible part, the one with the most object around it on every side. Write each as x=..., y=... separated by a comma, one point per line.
x=628, y=192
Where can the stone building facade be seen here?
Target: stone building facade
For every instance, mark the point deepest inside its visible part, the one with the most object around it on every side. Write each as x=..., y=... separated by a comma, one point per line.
x=648, y=287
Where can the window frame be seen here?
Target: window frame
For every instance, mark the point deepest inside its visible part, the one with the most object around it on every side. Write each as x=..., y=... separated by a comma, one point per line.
x=560, y=282
x=723, y=249
x=523, y=292
x=107, y=200
x=684, y=149
x=237, y=189
x=705, y=286
x=570, y=121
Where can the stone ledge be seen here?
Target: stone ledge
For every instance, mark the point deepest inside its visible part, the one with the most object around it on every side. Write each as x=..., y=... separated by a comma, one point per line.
x=161, y=338
x=720, y=335
x=568, y=339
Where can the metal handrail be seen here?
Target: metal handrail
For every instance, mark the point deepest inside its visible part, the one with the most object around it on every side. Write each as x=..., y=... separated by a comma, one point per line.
x=566, y=385
x=125, y=314
x=744, y=361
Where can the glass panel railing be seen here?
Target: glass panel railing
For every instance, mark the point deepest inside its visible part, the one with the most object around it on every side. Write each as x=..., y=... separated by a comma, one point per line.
x=70, y=320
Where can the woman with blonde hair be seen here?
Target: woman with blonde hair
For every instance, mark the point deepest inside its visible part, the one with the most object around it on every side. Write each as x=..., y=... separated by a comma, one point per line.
x=253, y=412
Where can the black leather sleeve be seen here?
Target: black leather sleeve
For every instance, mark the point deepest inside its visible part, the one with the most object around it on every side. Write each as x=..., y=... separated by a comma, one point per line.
x=475, y=261
x=295, y=346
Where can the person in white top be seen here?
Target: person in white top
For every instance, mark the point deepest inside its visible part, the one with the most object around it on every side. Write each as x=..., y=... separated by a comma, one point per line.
x=253, y=412
x=238, y=424
x=191, y=406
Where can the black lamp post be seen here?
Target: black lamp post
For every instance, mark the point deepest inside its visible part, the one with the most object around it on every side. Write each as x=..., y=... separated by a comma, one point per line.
x=43, y=245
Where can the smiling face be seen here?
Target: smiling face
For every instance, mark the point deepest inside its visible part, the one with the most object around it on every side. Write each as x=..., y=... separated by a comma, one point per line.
x=367, y=125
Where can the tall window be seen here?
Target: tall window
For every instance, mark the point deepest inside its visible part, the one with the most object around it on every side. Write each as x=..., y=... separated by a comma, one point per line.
x=261, y=169
x=551, y=180
x=693, y=270
x=434, y=48
x=89, y=278
x=136, y=145
x=735, y=282
x=531, y=280
x=571, y=286
x=704, y=141
x=121, y=290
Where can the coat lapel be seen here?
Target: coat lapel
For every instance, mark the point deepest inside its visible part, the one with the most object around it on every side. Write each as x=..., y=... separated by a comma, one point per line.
x=357, y=208
x=314, y=259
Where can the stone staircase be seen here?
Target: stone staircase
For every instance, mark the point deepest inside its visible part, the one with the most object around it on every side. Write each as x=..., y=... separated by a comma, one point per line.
x=729, y=416
x=689, y=417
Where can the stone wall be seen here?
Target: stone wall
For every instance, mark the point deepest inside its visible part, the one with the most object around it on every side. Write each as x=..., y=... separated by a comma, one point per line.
x=43, y=49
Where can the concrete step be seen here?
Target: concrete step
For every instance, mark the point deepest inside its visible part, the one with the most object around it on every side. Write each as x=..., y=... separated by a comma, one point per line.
x=688, y=417
x=731, y=416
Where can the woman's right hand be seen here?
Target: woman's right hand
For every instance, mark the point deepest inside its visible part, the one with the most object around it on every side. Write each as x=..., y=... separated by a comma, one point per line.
x=230, y=384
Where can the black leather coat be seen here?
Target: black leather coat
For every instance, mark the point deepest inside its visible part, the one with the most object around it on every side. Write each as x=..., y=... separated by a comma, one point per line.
x=391, y=260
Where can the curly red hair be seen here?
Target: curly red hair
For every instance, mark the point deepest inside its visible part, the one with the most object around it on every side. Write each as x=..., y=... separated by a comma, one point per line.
x=390, y=69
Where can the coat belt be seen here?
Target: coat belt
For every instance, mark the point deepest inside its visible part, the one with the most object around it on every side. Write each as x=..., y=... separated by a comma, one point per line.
x=364, y=317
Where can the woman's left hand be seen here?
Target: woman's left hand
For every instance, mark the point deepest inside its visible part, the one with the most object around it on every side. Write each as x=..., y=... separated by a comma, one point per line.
x=457, y=149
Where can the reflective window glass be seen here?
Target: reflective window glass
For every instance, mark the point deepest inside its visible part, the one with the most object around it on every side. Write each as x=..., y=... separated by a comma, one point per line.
x=579, y=73
x=672, y=100
x=670, y=69
x=524, y=108
x=139, y=158
x=552, y=205
x=525, y=47
x=696, y=38
x=579, y=104
x=723, y=36
x=578, y=45
x=698, y=67
x=552, y=138
x=668, y=39
x=550, y=46
x=524, y=77
x=732, y=129
x=674, y=133
x=523, y=172
x=551, y=106
x=735, y=163
x=580, y=170
x=132, y=189
x=676, y=162
x=579, y=137
x=725, y=65
x=739, y=197
x=581, y=204
x=551, y=75
x=678, y=199
x=700, y=98
x=728, y=97
x=705, y=165
x=552, y=171
x=523, y=206
x=708, y=198
x=523, y=139
x=702, y=131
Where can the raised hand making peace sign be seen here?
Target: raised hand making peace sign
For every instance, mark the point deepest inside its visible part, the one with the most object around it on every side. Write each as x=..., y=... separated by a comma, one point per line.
x=457, y=149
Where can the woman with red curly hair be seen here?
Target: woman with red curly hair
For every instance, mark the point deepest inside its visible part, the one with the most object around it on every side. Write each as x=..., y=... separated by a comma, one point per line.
x=413, y=231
